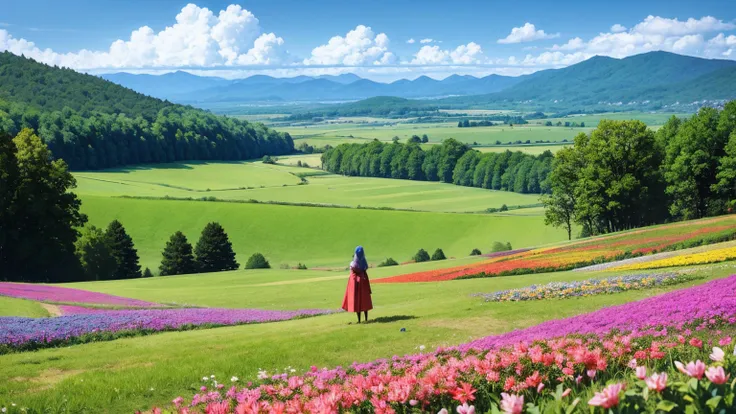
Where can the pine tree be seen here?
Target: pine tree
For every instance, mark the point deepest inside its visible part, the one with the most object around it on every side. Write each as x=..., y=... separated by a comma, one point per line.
x=126, y=257
x=214, y=251
x=177, y=256
x=147, y=273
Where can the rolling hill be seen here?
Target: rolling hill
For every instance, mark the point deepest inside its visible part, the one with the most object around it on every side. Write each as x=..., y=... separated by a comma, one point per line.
x=654, y=76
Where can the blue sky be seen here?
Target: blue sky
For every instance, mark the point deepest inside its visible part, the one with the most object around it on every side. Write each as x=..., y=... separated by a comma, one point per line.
x=372, y=39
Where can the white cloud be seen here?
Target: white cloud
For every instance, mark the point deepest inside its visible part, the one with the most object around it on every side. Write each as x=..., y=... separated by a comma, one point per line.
x=424, y=41
x=572, y=44
x=359, y=47
x=197, y=38
x=651, y=34
x=617, y=28
x=462, y=55
x=526, y=33
x=673, y=27
x=411, y=41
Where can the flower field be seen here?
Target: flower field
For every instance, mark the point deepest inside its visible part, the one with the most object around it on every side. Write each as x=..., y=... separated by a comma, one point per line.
x=79, y=324
x=643, y=356
x=587, y=252
x=590, y=287
x=45, y=293
x=712, y=256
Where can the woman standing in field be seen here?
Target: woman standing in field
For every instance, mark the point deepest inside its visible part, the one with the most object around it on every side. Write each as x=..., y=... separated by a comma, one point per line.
x=358, y=294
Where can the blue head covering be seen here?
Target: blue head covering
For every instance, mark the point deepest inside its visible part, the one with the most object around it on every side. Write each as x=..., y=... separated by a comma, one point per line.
x=359, y=261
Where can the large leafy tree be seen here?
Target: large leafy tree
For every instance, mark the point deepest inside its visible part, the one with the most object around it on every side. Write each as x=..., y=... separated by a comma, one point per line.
x=725, y=185
x=39, y=215
x=177, y=256
x=123, y=250
x=622, y=172
x=561, y=204
x=691, y=163
x=96, y=255
x=214, y=251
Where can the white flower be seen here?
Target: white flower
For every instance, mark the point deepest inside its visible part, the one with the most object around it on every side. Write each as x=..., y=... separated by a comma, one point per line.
x=292, y=370
x=717, y=354
x=4, y=410
x=205, y=379
x=422, y=348
x=151, y=388
x=234, y=379
x=262, y=375
x=212, y=376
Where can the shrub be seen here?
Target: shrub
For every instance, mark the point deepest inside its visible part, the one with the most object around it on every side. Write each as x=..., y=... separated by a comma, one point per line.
x=500, y=247
x=267, y=159
x=421, y=256
x=504, y=208
x=388, y=262
x=284, y=266
x=301, y=266
x=257, y=261
x=475, y=252
x=147, y=273
x=438, y=255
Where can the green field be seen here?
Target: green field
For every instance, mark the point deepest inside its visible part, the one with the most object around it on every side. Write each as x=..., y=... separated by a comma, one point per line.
x=263, y=182
x=125, y=375
x=317, y=236
x=20, y=307
x=651, y=119
x=323, y=134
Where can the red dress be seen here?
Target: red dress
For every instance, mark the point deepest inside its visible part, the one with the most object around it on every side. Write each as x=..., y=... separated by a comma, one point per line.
x=358, y=293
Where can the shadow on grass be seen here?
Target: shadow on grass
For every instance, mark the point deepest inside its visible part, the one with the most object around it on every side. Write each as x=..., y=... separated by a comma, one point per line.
x=389, y=319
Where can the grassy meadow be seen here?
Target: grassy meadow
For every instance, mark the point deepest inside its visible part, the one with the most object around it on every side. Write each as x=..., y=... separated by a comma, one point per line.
x=21, y=307
x=316, y=236
x=124, y=375
x=283, y=183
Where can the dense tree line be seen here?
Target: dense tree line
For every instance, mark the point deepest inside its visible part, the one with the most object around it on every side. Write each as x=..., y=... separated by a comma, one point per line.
x=450, y=162
x=94, y=124
x=623, y=175
x=491, y=121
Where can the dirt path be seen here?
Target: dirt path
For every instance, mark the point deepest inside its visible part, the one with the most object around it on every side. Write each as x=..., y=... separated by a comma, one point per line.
x=53, y=310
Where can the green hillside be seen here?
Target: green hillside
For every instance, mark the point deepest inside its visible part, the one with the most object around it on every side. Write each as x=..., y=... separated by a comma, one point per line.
x=654, y=76
x=92, y=123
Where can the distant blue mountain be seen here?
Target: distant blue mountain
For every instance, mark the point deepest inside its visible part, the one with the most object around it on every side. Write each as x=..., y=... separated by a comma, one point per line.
x=183, y=87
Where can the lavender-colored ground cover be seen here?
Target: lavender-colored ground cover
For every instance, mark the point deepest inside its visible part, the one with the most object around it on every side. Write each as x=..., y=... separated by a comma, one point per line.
x=700, y=305
x=19, y=332
x=46, y=293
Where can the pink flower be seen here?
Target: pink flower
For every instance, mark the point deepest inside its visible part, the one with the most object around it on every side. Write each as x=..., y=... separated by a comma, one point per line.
x=693, y=369
x=466, y=409
x=717, y=354
x=591, y=373
x=608, y=397
x=696, y=342
x=657, y=382
x=512, y=404
x=442, y=411
x=177, y=401
x=413, y=402
x=641, y=372
x=203, y=388
x=540, y=387
x=632, y=364
x=566, y=392
x=716, y=375
x=725, y=341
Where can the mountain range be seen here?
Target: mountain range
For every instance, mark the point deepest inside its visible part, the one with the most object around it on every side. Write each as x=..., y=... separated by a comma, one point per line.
x=651, y=80
x=183, y=87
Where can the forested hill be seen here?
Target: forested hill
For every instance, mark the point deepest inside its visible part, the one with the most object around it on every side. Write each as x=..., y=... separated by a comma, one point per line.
x=92, y=123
